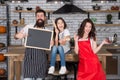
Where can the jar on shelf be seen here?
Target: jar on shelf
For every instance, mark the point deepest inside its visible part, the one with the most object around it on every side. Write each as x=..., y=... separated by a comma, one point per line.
x=22, y=21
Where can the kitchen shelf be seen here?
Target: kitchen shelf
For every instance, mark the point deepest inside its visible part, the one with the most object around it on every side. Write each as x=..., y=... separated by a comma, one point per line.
x=3, y=19
x=107, y=25
x=3, y=48
x=96, y=11
x=33, y=11
x=2, y=4
x=18, y=25
x=104, y=11
x=27, y=11
x=22, y=25
x=4, y=77
x=3, y=33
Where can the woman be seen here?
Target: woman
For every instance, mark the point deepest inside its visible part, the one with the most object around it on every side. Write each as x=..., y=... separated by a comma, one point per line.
x=61, y=45
x=89, y=67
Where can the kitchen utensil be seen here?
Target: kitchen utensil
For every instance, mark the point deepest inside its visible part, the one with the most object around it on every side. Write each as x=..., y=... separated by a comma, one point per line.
x=96, y=7
x=29, y=8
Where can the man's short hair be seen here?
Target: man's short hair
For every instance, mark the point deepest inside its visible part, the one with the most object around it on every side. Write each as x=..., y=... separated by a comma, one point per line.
x=39, y=11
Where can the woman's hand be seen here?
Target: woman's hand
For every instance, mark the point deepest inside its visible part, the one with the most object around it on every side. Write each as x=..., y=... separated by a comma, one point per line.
x=105, y=41
x=97, y=48
x=76, y=43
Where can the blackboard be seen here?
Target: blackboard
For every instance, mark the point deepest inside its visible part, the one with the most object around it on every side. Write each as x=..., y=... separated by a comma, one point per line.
x=39, y=38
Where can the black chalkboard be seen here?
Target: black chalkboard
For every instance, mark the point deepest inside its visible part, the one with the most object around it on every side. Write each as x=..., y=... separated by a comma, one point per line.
x=39, y=38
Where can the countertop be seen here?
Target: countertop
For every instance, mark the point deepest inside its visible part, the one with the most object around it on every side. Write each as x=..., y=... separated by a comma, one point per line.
x=106, y=49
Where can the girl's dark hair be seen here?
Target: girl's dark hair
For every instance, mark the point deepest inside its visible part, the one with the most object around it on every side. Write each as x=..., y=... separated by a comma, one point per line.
x=39, y=11
x=92, y=33
x=60, y=18
x=56, y=20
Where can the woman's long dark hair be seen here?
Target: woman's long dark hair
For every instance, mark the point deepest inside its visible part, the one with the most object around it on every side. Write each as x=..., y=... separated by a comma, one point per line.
x=82, y=27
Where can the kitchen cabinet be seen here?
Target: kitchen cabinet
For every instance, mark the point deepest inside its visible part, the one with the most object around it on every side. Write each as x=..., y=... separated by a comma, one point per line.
x=111, y=64
x=104, y=11
x=4, y=21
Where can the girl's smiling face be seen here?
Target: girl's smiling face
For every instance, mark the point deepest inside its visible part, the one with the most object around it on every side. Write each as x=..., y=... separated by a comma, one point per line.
x=87, y=28
x=60, y=25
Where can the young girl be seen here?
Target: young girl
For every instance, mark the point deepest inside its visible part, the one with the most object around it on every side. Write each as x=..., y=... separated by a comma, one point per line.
x=61, y=45
x=89, y=67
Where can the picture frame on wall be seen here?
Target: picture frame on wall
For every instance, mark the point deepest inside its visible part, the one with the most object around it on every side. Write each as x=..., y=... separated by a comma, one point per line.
x=39, y=39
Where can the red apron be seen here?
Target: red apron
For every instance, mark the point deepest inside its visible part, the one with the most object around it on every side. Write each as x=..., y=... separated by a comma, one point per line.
x=89, y=67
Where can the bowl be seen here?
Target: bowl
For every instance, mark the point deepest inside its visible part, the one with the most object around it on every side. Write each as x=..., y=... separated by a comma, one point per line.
x=96, y=7
x=29, y=9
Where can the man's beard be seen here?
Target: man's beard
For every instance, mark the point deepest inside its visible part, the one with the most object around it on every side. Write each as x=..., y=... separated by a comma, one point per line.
x=40, y=23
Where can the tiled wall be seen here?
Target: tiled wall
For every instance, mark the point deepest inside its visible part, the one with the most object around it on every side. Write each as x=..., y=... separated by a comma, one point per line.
x=73, y=20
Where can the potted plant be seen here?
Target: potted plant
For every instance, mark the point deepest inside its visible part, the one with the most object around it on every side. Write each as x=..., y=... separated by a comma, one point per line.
x=109, y=18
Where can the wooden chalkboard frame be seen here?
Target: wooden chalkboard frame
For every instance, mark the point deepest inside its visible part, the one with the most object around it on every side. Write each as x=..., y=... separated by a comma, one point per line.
x=39, y=38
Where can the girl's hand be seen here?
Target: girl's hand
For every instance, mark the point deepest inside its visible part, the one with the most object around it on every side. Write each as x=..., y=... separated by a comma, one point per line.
x=56, y=31
x=62, y=41
x=54, y=24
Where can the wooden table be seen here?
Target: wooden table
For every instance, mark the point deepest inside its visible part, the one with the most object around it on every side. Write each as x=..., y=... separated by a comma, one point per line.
x=16, y=54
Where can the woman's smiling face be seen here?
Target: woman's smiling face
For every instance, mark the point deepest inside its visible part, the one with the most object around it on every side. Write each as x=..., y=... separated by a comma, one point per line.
x=87, y=28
